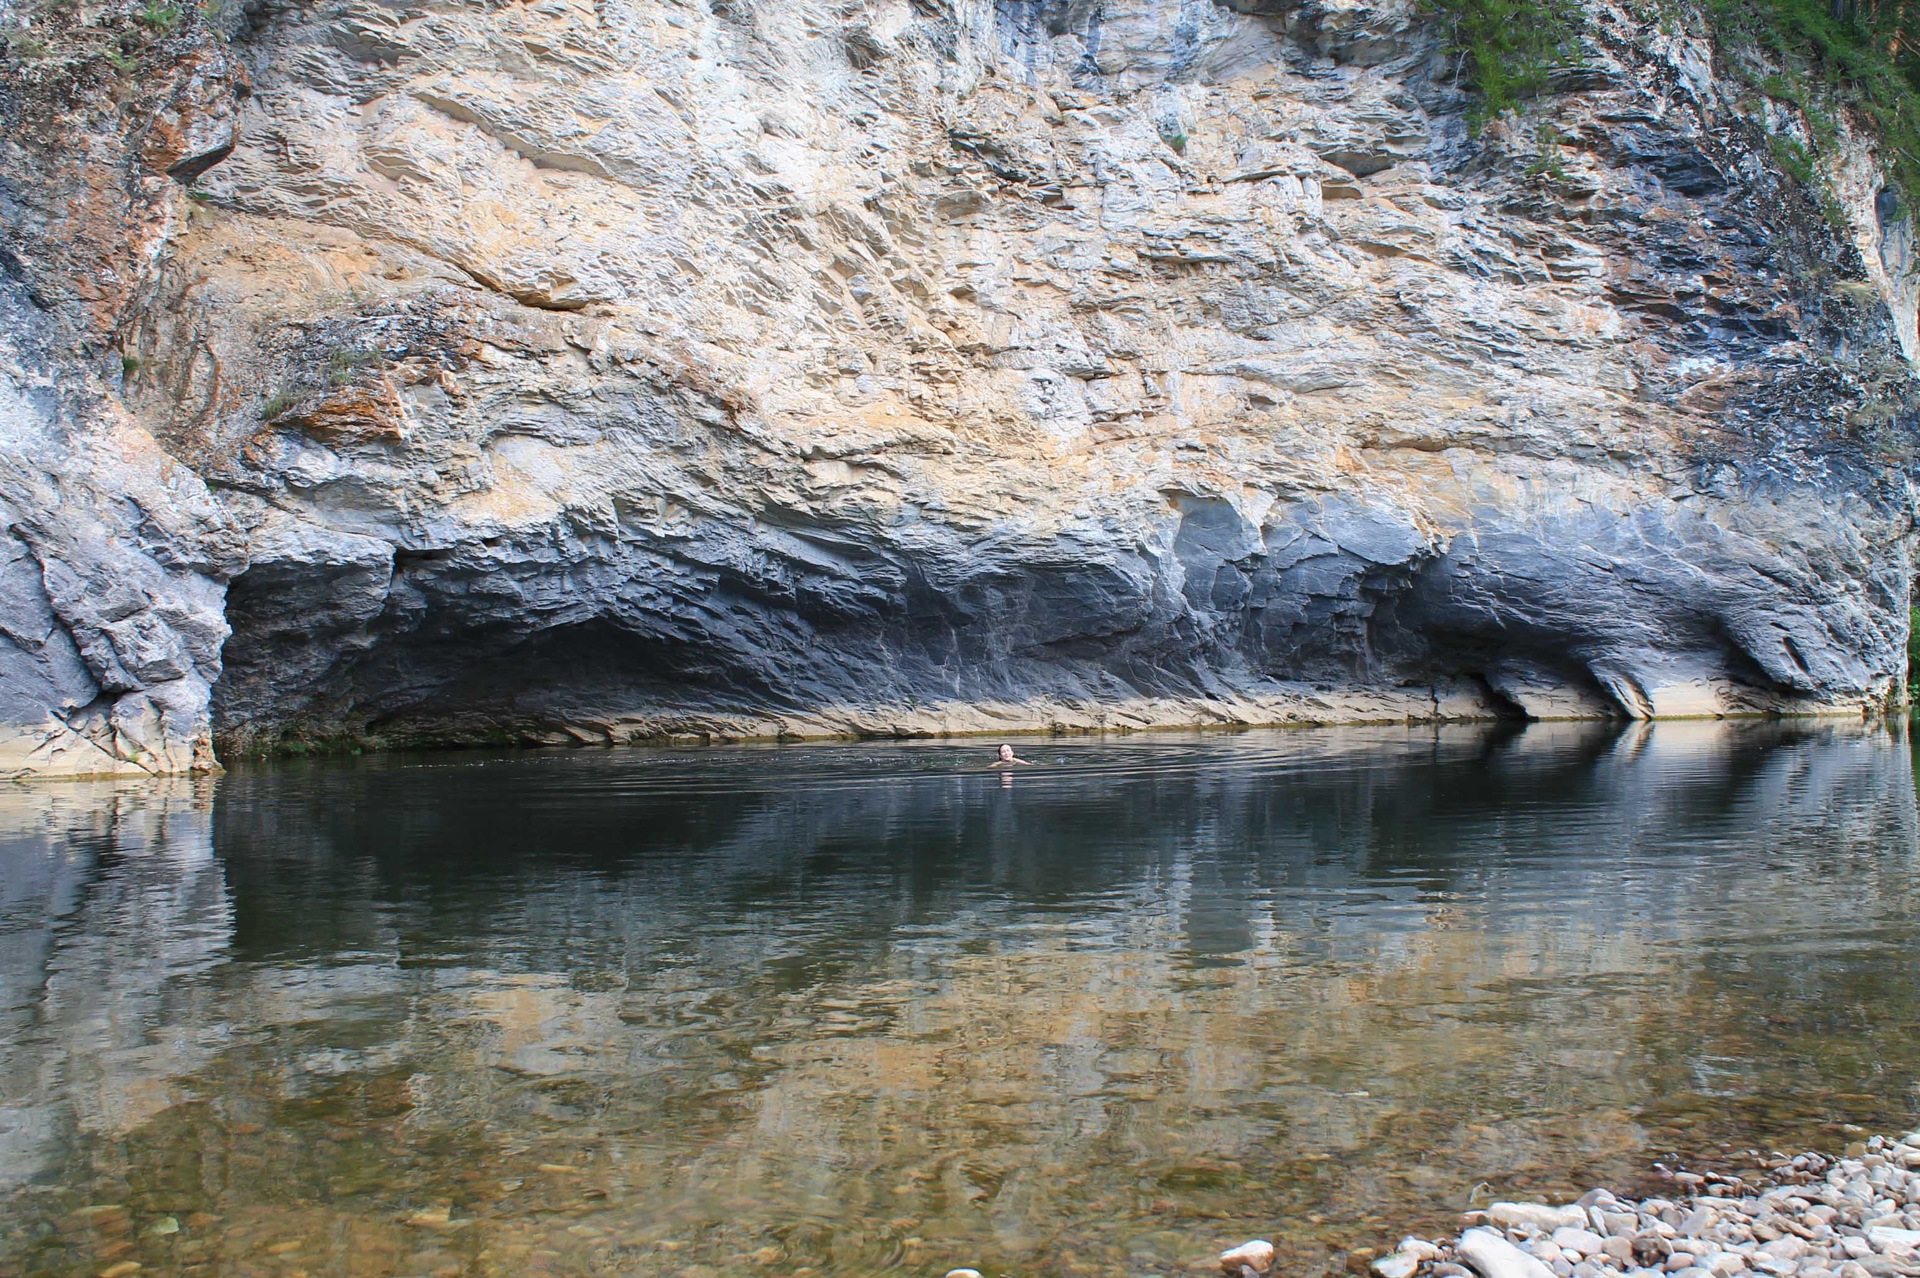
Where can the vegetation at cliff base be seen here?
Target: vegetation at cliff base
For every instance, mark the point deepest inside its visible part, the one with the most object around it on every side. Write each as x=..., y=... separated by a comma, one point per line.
x=1913, y=655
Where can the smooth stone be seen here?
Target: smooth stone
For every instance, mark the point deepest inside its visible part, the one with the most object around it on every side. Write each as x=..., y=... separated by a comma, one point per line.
x=1619, y=1248
x=1584, y=1242
x=1255, y=1255
x=1538, y=1215
x=1726, y=1264
x=1887, y=1238
x=1494, y=1257
x=1398, y=1265
x=963, y=1273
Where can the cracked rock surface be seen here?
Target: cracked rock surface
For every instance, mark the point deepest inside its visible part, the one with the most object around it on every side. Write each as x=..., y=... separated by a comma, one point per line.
x=596, y=371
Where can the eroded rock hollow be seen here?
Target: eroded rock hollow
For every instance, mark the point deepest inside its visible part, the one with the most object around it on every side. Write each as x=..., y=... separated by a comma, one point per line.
x=446, y=372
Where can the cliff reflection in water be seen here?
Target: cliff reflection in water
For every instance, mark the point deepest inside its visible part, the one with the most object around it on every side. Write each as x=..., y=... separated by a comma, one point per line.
x=856, y=1007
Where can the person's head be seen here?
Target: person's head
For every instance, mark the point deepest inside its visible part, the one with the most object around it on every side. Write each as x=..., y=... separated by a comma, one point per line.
x=1006, y=752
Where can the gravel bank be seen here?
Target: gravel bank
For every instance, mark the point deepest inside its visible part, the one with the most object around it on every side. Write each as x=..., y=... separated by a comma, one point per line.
x=1809, y=1216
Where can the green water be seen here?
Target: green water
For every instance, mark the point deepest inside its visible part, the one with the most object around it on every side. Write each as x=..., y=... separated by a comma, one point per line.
x=856, y=1009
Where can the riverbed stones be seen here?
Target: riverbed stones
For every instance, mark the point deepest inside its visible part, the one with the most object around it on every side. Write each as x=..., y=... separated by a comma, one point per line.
x=1812, y=1216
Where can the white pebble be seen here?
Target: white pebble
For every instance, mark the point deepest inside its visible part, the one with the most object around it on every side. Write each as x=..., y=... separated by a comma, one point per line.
x=1538, y=1215
x=1892, y=1240
x=1583, y=1242
x=1255, y=1255
x=1398, y=1265
x=1495, y=1257
x=1418, y=1247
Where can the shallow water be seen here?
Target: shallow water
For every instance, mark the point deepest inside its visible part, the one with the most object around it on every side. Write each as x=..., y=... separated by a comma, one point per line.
x=851, y=1009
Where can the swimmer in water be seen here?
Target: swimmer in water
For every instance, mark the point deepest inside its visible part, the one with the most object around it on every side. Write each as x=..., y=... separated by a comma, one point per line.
x=1007, y=759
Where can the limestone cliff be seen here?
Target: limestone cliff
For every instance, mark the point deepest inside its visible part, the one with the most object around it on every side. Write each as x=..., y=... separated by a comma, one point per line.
x=580, y=370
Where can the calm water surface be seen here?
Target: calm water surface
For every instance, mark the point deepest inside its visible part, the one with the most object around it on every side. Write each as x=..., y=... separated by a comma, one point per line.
x=852, y=1009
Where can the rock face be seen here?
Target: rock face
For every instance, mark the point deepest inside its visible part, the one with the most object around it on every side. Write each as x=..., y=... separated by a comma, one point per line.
x=113, y=556
x=593, y=371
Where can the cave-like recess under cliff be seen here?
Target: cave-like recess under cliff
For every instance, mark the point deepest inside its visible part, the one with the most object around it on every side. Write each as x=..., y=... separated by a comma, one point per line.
x=646, y=369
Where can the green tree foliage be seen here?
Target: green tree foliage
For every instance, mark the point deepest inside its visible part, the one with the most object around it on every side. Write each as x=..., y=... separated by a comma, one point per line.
x=1861, y=56
x=1509, y=48
x=1913, y=654
x=1864, y=53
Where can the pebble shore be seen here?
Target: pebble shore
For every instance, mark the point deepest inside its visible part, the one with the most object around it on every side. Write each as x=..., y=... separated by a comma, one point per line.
x=1810, y=1216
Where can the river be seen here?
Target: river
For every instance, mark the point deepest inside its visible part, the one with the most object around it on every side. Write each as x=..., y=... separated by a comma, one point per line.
x=854, y=1008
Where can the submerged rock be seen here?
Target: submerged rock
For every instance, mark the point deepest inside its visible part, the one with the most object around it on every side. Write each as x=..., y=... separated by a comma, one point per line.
x=1249, y=1257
